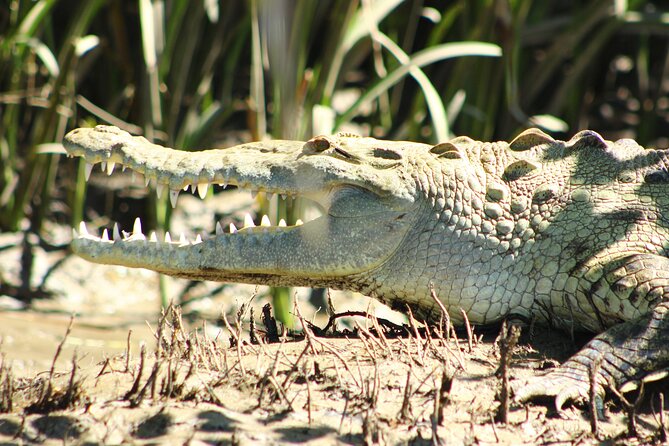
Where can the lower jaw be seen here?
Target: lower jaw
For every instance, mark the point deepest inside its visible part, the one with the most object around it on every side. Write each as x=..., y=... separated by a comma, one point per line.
x=319, y=253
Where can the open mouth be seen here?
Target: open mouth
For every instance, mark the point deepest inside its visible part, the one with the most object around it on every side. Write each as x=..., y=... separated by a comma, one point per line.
x=224, y=227
x=357, y=229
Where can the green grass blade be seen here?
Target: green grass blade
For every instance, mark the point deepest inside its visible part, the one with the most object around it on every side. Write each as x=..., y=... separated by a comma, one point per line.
x=43, y=53
x=257, y=77
x=151, y=28
x=420, y=59
x=366, y=18
x=357, y=27
x=211, y=6
x=33, y=20
x=147, y=22
x=85, y=44
x=432, y=96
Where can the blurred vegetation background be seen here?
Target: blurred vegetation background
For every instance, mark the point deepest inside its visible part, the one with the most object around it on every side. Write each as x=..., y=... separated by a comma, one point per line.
x=204, y=73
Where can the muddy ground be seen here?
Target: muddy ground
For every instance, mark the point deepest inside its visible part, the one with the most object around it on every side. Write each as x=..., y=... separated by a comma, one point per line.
x=126, y=374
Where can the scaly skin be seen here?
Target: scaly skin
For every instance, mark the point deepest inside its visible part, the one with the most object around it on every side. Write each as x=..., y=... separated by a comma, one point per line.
x=572, y=234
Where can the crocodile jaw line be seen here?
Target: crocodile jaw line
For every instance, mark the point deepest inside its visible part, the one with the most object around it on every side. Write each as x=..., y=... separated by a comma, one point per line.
x=299, y=255
x=317, y=253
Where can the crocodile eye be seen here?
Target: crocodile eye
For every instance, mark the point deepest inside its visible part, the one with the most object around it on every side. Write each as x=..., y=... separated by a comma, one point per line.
x=660, y=176
x=318, y=144
x=380, y=152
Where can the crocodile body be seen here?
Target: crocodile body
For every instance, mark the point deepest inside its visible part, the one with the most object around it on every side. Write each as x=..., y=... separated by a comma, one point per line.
x=573, y=234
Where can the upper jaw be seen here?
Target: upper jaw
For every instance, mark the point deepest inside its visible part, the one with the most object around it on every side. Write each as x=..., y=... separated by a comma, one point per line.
x=274, y=167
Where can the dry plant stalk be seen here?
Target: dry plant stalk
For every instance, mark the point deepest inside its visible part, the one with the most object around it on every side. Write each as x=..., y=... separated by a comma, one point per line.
x=445, y=316
x=592, y=393
x=405, y=411
x=271, y=328
x=663, y=426
x=630, y=408
x=6, y=386
x=127, y=352
x=442, y=396
x=135, y=385
x=252, y=328
x=50, y=399
x=470, y=331
x=507, y=342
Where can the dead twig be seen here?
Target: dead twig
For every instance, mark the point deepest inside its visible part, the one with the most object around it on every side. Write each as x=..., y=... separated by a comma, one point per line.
x=127, y=352
x=392, y=327
x=442, y=396
x=445, y=316
x=663, y=426
x=237, y=343
x=405, y=411
x=252, y=328
x=593, y=372
x=470, y=331
x=6, y=386
x=48, y=399
x=306, y=380
x=630, y=408
x=271, y=328
x=507, y=342
x=329, y=348
x=135, y=385
x=305, y=328
x=136, y=400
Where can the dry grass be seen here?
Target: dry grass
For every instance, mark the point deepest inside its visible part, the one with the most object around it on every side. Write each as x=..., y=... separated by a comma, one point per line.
x=371, y=385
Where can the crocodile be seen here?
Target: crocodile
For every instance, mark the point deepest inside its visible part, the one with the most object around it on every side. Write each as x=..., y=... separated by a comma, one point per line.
x=571, y=234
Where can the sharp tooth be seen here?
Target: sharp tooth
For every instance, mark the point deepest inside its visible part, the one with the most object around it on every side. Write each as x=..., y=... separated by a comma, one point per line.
x=254, y=194
x=282, y=223
x=168, y=237
x=153, y=237
x=122, y=167
x=233, y=228
x=116, y=233
x=103, y=166
x=269, y=196
x=174, y=194
x=198, y=239
x=137, y=227
x=159, y=189
x=265, y=221
x=283, y=197
x=298, y=222
x=202, y=189
x=219, y=228
x=110, y=167
x=182, y=240
x=89, y=169
x=223, y=185
x=186, y=187
x=248, y=221
x=146, y=181
x=75, y=234
x=82, y=229
x=105, y=235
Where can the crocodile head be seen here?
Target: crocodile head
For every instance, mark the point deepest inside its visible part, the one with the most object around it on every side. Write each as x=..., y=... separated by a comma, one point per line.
x=364, y=187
